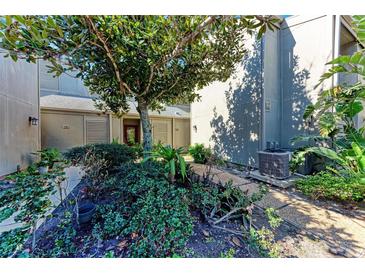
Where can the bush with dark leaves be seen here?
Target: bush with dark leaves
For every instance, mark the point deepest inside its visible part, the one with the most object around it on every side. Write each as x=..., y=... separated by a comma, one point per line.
x=112, y=154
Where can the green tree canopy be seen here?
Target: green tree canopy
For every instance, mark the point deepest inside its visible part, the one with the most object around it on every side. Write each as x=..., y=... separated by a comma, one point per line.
x=156, y=60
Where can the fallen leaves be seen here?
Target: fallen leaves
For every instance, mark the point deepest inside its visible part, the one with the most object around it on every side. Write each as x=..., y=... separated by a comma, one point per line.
x=206, y=233
x=122, y=244
x=236, y=241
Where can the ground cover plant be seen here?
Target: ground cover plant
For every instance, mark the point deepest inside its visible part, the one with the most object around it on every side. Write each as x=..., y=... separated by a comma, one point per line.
x=28, y=200
x=140, y=212
x=326, y=185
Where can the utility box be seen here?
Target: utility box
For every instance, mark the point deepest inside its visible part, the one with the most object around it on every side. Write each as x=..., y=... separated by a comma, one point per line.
x=274, y=163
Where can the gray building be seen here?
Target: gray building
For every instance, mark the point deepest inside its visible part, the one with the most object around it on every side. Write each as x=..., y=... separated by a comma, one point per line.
x=265, y=100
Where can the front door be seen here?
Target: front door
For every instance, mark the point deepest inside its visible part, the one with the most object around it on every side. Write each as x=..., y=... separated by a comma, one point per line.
x=131, y=134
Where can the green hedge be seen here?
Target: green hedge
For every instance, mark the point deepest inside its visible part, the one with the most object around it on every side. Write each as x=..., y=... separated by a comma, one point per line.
x=114, y=154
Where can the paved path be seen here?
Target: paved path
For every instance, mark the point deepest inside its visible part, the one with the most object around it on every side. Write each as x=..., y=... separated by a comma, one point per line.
x=337, y=230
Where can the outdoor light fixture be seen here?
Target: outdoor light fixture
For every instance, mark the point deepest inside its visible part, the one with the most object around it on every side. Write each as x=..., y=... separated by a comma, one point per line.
x=33, y=121
x=195, y=128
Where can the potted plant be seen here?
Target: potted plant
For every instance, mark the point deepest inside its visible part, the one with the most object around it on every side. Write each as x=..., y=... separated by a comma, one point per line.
x=85, y=211
x=48, y=157
x=43, y=166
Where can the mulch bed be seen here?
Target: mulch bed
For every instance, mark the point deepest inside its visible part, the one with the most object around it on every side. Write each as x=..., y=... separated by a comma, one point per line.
x=206, y=241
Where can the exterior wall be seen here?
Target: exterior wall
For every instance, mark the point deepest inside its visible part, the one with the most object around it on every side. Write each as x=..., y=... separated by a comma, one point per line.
x=162, y=130
x=272, y=93
x=228, y=116
x=64, y=130
x=54, y=135
x=306, y=44
x=266, y=99
x=117, y=129
x=19, y=99
x=64, y=84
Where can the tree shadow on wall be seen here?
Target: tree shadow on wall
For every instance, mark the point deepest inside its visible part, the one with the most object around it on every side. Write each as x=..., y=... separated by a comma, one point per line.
x=236, y=137
x=295, y=99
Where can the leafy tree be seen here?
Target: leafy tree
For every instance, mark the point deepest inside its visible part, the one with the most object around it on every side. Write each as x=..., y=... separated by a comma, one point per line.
x=155, y=60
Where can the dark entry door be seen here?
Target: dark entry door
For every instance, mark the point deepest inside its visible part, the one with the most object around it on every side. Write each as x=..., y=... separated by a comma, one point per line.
x=131, y=134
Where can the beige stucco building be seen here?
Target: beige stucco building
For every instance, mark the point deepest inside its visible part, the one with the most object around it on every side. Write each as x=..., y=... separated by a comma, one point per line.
x=19, y=102
x=64, y=116
x=69, y=117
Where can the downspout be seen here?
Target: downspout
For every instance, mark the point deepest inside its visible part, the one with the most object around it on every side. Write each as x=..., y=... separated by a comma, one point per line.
x=39, y=137
x=262, y=91
x=336, y=45
x=281, y=89
x=335, y=54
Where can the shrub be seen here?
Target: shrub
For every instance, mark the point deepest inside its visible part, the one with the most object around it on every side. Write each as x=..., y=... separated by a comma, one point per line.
x=48, y=156
x=328, y=186
x=171, y=158
x=200, y=153
x=112, y=154
x=138, y=149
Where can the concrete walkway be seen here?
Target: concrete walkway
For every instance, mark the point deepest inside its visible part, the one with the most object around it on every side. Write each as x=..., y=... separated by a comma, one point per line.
x=339, y=232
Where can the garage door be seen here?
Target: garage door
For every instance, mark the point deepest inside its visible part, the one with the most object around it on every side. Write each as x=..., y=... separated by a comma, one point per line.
x=161, y=131
x=67, y=130
x=182, y=133
x=62, y=131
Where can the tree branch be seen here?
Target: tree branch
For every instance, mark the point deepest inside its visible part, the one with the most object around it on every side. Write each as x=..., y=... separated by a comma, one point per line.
x=192, y=36
x=227, y=215
x=170, y=88
x=122, y=85
x=152, y=68
x=179, y=48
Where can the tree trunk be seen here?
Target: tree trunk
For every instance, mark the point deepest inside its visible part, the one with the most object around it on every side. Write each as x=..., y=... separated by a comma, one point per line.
x=146, y=125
